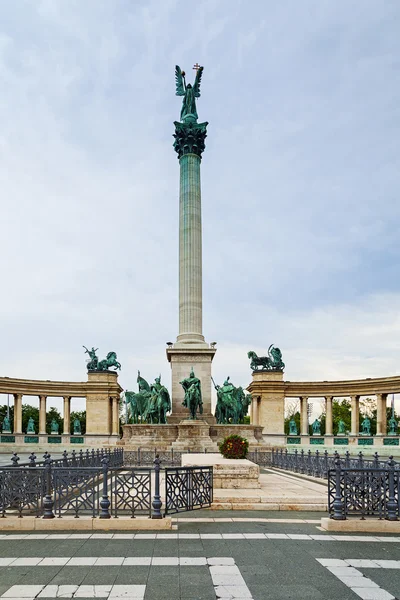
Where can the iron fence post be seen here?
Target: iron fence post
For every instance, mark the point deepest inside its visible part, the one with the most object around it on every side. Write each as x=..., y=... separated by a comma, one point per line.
x=376, y=460
x=48, y=500
x=15, y=459
x=338, y=506
x=157, y=498
x=360, y=460
x=325, y=464
x=105, y=502
x=309, y=471
x=391, y=503
x=317, y=469
x=347, y=459
x=32, y=459
x=302, y=471
x=296, y=466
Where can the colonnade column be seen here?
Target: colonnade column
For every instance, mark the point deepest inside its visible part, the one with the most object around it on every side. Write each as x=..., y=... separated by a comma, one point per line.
x=17, y=413
x=379, y=412
x=42, y=414
x=384, y=414
x=115, y=416
x=304, y=415
x=355, y=417
x=329, y=420
x=67, y=413
x=254, y=411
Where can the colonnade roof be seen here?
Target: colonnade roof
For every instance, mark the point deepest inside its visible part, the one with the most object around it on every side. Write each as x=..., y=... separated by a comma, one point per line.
x=36, y=387
x=316, y=389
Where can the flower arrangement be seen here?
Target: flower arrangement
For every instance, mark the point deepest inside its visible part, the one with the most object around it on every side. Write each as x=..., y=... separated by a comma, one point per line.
x=234, y=446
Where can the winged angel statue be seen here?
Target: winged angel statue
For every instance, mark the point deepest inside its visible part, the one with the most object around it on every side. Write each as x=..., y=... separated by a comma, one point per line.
x=190, y=93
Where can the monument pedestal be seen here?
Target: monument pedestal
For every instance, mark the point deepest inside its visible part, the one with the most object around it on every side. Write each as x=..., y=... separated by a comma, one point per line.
x=267, y=390
x=183, y=357
x=228, y=473
x=194, y=436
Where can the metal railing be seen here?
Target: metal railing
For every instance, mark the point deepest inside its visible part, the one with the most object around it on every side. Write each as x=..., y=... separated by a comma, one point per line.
x=99, y=486
x=318, y=464
x=367, y=492
x=88, y=458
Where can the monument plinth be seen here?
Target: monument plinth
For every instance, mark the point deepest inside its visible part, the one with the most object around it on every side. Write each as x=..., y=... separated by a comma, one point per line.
x=190, y=350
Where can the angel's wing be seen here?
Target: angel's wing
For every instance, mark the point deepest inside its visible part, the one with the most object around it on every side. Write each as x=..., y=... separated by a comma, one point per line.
x=196, y=86
x=180, y=90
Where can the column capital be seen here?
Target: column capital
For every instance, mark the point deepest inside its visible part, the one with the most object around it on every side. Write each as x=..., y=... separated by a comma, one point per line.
x=189, y=138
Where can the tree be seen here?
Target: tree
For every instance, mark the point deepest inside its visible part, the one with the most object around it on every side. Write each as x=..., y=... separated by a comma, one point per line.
x=81, y=415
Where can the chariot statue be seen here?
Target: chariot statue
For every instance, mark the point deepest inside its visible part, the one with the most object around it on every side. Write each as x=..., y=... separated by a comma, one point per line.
x=272, y=362
x=232, y=403
x=193, y=399
x=93, y=364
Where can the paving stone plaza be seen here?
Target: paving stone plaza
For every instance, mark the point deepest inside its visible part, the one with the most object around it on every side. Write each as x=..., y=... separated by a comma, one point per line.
x=209, y=555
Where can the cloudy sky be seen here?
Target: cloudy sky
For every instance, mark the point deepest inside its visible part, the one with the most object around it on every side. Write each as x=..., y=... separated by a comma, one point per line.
x=300, y=184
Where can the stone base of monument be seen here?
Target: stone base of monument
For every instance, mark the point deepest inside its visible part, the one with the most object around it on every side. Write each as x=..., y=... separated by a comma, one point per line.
x=194, y=435
x=149, y=436
x=227, y=473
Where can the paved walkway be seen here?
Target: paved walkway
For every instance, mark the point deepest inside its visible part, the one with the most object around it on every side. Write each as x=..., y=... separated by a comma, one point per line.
x=210, y=554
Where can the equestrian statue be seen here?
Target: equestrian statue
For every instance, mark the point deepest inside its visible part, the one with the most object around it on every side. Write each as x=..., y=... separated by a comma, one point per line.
x=193, y=399
x=151, y=404
x=232, y=403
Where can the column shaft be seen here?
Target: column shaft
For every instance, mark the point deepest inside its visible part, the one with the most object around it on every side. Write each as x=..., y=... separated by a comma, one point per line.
x=355, y=417
x=115, y=416
x=384, y=414
x=304, y=415
x=17, y=413
x=379, y=412
x=329, y=420
x=42, y=414
x=190, y=251
x=67, y=415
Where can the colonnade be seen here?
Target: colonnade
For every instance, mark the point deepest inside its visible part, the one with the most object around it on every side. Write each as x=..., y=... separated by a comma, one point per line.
x=66, y=415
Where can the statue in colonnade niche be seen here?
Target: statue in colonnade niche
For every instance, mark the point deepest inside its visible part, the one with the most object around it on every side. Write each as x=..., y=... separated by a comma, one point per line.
x=292, y=427
x=31, y=426
x=272, y=362
x=232, y=403
x=341, y=427
x=393, y=426
x=366, y=426
x=316, y=427
x=77, y=427
x=103, y=365
x=6, y=427
x=193, y=399
x=54, y=427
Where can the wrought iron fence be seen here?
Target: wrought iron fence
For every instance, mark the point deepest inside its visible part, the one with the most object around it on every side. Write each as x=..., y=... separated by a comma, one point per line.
x=188, y=488
x=318, y=464
x=50, y=489
x=88, y=458
x=367, y=491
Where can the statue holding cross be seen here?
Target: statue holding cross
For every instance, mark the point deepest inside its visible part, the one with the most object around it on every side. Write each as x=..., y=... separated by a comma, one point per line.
x=188, y=112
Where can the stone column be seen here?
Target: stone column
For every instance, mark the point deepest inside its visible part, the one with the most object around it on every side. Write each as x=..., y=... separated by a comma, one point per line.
x=304, y=415
x=189, y=144
x=384, y=414
x=115, y=416
x=256, y=410
x=17, y=413
x=42, y=414
x=355, y=417
x=67, y=415
x=329, y=421
x=379, y=412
